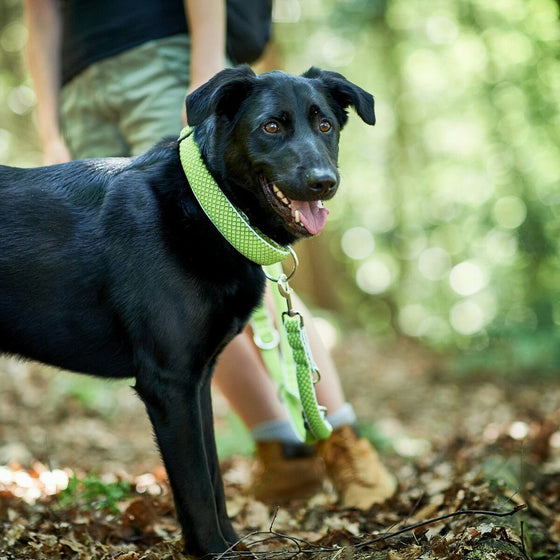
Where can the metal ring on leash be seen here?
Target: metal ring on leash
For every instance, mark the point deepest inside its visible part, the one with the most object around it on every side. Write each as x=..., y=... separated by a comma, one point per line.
x=293, y=271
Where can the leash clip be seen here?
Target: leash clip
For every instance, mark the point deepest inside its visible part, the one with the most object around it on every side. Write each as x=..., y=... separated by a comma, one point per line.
x=286, y=292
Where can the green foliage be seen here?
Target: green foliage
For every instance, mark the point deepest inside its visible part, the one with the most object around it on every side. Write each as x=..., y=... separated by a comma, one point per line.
x=95, y=493
x=18, y=135
x=381, y=441
x=233, y=438
x=99, y=395
x=446, y=228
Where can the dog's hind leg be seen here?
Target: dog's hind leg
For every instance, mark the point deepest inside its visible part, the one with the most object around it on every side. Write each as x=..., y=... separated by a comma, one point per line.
x=175, y=409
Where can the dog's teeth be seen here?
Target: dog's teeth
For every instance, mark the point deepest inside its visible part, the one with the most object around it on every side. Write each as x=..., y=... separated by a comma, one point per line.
x=297, y=219
x=281, y=196
x=320, y=204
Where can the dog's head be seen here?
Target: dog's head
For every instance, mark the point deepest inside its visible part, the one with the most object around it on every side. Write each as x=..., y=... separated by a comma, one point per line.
x=271, y=142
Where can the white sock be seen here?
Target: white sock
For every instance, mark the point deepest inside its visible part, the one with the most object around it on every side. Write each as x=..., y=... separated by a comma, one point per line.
x=345, y=415
x=281, y=430
x=275, y=430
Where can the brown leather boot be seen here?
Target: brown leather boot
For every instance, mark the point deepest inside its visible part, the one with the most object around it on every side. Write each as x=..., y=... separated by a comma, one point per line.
x=355, y=469
x=286, y=472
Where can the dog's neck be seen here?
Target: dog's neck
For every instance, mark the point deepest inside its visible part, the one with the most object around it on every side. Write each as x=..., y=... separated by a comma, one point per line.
x=228, y=220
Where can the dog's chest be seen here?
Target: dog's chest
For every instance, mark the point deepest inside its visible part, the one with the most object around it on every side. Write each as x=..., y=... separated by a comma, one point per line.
x=241, y=293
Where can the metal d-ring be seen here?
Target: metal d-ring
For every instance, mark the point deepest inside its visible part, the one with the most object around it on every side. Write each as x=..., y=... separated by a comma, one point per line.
x=293, y=271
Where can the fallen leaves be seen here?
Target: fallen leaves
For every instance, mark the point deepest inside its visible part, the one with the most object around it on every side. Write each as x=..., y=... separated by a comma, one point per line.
x=461, y=450
x=411, y=552
x=145, y=525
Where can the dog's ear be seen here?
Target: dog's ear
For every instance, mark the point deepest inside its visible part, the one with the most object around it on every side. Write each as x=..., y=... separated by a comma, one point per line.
x=221, y=95
x=344, y=93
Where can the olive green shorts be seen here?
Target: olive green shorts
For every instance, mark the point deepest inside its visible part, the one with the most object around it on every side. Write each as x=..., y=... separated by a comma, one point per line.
x=124, y=104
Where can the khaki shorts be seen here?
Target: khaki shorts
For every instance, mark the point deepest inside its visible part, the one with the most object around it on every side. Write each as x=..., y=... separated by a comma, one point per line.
x=122, y=105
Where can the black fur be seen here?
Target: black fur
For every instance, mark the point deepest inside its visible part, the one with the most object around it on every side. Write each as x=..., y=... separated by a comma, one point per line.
x=109, y=266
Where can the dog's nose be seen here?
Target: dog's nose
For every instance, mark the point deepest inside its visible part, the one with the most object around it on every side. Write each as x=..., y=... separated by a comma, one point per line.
x=322, y=182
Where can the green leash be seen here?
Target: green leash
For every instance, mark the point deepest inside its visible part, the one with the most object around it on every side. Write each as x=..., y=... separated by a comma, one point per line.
x=297, y=376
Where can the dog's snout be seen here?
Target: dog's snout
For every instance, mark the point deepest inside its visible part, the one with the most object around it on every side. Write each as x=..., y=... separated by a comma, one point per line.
x=322, y=182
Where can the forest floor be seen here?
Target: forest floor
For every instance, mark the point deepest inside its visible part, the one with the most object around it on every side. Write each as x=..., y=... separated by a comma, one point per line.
x=477, y=457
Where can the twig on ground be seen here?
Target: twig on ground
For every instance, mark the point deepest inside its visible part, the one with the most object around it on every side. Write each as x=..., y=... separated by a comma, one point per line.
x=523, y=549
x=313, y=549
x=409, y=528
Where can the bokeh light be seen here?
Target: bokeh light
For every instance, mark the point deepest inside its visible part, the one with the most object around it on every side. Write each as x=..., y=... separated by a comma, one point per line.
x=434, y=263
x=467, y=278
x=358, y=243
x=466, y=317
x=374, y=276
x=509, y=212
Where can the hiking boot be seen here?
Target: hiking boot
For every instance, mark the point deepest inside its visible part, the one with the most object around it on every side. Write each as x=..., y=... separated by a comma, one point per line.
x=286, y=472
x=355, y=469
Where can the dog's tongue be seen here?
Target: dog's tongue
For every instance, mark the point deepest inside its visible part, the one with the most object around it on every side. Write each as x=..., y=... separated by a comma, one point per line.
x=313, y=215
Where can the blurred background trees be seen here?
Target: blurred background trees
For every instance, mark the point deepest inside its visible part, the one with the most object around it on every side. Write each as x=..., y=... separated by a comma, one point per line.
x=446, y=226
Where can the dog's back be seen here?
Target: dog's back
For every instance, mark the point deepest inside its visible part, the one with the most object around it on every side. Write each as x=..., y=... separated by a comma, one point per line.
x=67, y=233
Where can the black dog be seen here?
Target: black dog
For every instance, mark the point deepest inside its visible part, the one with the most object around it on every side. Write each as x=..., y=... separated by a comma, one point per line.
x=110, y=267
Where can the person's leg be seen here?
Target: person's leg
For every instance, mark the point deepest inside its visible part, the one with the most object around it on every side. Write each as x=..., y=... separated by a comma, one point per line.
x=89, y=125
x=153, y=88
x=286, y=470
x=242, y=378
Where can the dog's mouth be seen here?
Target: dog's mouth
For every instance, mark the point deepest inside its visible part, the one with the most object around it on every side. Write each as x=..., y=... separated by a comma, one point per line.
x=305, y=217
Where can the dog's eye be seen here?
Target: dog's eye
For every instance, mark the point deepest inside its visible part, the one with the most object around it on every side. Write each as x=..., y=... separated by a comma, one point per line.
x=325, y=125
x=272, y=127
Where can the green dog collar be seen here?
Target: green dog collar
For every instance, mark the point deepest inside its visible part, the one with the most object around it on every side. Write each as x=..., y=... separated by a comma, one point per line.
x=228, y=219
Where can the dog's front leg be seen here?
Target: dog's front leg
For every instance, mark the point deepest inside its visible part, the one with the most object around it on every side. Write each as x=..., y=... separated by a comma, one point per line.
x=174, y=407
x=213, y=463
